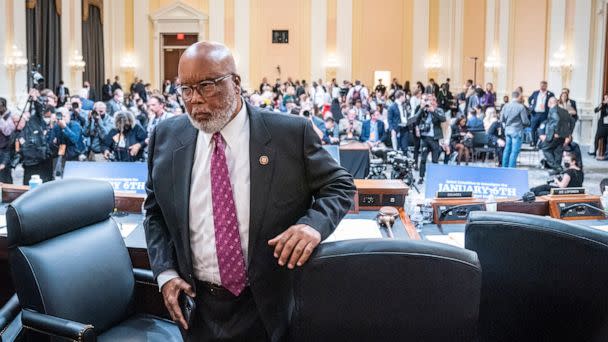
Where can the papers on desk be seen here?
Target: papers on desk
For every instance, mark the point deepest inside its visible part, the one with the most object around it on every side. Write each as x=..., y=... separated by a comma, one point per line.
x=126, y=229
x=604, y=227
x=351, y=229
x=454, y=239
x=3, y=232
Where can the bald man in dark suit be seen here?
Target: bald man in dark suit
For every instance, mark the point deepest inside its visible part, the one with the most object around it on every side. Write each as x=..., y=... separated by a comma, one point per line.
x=237, y=198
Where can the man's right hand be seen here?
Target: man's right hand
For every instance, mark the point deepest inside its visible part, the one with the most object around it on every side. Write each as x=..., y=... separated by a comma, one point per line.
x=171, y=291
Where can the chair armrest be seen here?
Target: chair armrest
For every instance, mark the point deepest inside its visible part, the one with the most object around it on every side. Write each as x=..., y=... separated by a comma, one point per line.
x=144, y=276
x=51, y=325
x=8, y=312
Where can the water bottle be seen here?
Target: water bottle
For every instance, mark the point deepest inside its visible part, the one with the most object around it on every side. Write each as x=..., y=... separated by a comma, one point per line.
x=491, y=203
x=605, y=198
x=416, y=219
x=409, y=205
x=35, y=181
x=427, y=211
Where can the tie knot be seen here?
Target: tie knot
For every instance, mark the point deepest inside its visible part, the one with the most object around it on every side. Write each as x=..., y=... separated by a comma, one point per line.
x=217, y=138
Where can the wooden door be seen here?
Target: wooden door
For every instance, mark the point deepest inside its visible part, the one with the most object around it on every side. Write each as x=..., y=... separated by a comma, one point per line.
x=171, y=59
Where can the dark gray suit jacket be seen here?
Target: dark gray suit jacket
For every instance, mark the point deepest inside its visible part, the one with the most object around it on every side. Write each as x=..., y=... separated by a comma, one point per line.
x=300, y=184
x=558, y=122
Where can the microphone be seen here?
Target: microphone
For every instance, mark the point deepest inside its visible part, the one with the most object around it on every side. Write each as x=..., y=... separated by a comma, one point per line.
x=465, y=209
x=580, y=207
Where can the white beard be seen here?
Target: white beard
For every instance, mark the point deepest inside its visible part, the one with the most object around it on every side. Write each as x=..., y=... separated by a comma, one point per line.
x=220, y=118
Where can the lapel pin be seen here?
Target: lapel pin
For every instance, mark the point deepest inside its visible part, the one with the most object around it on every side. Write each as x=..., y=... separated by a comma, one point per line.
x=264, y=160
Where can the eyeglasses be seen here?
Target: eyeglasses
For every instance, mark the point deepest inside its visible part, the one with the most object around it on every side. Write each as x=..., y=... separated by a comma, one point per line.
x=205, y=88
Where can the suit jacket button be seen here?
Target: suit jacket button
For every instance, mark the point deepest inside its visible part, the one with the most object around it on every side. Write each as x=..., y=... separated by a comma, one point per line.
x=190, y=276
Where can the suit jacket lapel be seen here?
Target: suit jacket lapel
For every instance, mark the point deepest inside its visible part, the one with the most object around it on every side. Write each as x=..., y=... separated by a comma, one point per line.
x=183, y=159
x=261, y=170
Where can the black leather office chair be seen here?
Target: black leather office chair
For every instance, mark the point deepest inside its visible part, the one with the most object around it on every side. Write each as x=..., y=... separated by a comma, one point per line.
x=10, y=321
x=543, y=279
x=71, y=268
x=387, y=290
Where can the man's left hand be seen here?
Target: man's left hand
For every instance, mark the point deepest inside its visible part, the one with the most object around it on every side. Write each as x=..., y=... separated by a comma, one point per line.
x=295, y=245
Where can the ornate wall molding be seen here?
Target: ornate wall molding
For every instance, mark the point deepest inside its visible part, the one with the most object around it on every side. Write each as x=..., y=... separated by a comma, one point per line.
x=85, y=8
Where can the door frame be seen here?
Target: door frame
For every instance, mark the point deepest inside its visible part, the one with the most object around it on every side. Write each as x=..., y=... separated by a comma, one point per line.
x=172, y=19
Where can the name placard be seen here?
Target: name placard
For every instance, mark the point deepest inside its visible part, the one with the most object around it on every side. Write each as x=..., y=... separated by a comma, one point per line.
x=454, y=194
x=567, y=191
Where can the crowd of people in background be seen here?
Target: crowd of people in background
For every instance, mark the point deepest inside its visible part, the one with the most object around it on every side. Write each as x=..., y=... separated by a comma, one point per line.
x=430, y=119
x=57, y=126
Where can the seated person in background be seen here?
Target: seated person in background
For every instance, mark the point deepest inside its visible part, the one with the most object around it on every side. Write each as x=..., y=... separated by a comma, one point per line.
x=373, y=129
x=572, y=177
x=350, y=128
x=496, y=136
x=489, y=118
x=330, y=133
x=474, y=123
x=461, y=139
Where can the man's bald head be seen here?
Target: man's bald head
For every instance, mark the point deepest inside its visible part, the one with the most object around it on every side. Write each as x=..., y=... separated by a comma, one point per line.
x=205, y=60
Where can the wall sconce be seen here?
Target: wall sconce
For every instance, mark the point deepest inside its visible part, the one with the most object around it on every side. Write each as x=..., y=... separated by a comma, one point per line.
x=433, y=63
x=128, y=62
x=492, y=62
x=559, y=62
x=15, y=59
x=332, y=61
x=76, y=62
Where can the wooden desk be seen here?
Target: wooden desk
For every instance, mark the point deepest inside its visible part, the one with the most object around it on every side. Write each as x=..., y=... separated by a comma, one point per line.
x=354, y=146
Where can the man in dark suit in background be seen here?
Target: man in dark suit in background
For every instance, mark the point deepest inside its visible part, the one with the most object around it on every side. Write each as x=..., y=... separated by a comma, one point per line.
x=230, y=191
x=373, y=129
x=557, y=129
x=116, y=84
x=538, y=104
x=106, y=91
x=63, y=93
x=401, y=135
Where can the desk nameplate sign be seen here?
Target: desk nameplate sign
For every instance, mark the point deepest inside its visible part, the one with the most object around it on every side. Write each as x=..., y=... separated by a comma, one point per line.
x=567, y=191
x=454, y=194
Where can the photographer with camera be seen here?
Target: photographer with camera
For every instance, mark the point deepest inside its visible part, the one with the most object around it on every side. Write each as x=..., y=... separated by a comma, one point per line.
x=428, y=121
x=34, y=143
x=76, y=112
x=126, y=141
x=7, y=127
x=572, y=176
x=98, y=125
x=68, y=132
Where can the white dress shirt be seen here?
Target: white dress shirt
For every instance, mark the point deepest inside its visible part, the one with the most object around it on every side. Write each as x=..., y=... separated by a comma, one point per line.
x=202, y=230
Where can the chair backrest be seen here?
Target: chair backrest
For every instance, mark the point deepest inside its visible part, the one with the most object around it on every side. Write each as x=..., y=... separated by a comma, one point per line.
x=387, y=290
x=480, y=139
x=543, y=279
x=67, y=256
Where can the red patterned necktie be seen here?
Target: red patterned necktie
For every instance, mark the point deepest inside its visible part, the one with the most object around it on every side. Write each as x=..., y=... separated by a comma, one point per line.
x=227, y=237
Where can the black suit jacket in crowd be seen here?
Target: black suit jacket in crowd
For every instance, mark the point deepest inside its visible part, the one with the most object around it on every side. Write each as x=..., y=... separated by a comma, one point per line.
x=301, y=183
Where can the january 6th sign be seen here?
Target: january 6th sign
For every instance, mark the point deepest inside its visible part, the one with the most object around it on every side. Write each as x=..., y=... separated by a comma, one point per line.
x=482, y=181
x=123, y=176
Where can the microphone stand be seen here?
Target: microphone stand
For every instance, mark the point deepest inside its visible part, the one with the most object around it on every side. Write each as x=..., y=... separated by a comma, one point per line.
x=579, y=205
x=528, y=197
